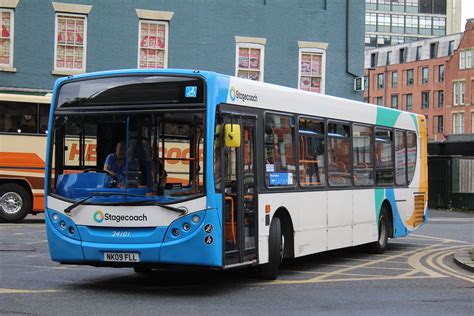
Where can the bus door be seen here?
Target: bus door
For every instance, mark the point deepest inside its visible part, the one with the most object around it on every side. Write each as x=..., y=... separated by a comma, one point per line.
x=240, y=194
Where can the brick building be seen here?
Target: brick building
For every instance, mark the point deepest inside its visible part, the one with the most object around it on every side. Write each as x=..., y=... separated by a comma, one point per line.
x=460, y=85
x=420, y=77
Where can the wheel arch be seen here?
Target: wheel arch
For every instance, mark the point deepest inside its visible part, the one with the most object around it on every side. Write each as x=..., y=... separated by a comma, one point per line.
x=287, y=230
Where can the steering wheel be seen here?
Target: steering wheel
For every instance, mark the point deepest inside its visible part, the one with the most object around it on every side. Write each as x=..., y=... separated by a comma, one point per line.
x=97, y=170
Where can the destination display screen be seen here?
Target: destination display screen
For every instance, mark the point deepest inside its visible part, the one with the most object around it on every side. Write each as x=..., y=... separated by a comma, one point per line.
x=131, y=90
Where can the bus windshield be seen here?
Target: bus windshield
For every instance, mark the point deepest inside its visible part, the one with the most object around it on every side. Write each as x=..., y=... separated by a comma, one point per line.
x=157, y=155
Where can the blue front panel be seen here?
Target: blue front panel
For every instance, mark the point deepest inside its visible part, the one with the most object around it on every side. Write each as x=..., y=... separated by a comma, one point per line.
x=61, y=247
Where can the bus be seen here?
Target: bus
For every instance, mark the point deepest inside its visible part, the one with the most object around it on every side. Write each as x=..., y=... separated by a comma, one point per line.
x=23, y=129
x=270, y=172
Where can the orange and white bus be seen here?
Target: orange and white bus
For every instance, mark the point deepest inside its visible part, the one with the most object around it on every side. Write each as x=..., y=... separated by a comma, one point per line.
x=23, y=129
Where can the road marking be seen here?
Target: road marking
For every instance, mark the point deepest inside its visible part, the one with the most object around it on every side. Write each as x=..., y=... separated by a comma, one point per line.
x=449, y=270
x=451, y=219
x=18, y=291
x=441, y=239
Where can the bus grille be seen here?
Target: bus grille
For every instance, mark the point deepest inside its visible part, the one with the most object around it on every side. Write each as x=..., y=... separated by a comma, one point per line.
x=419, y=209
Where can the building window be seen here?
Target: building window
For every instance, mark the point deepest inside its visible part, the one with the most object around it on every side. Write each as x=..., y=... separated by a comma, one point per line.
x=389, y=58
x=383, y=23
x=440, y=98
x=373, y=60
x=411, y=6
x=312, y=66
x=6, y=38
x=402, y=55
x=395, y=101
x=153, y=44
x=409, y=77
x=425, y=99
x=441, y=73
x=380, y=81
x=418, y=53
x=458, y=92
x=398, y=22
x=450, y=48
x=411, y=24
x=458, y=123
x=250, y=63
x=439, y=26
x=465, y=59
x=70, y=43
x=370, y=22
x=394, y=79
x=438, y=123
x=408, y=102
x=424, y=75
x=433, y=50
x=379, y=101
x=371, y=4
x=425, y=25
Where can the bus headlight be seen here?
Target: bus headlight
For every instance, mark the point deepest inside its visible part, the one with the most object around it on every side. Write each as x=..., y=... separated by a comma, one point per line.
x=55, y=217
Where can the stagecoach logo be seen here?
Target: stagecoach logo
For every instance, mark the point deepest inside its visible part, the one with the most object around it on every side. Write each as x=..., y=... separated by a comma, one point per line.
x=236, y=94
x=100, y=216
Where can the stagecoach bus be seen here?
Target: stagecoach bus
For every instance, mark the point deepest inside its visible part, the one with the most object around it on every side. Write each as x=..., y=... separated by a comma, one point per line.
x=258, y=172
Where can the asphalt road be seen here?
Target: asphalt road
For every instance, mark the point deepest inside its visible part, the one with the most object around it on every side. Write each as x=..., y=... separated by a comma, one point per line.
x=415, y=276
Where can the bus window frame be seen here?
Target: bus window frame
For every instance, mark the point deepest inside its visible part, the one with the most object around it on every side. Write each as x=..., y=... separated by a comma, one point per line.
x=296, y=155
x=38, y=105
x=349, y=137
x=392, y=142
x=325, y=166
x=372, y=148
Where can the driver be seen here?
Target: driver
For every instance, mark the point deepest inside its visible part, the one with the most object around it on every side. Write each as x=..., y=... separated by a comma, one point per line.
x=115, y=163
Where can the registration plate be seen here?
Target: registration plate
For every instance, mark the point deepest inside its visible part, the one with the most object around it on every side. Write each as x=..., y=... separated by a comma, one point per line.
x=122, y=257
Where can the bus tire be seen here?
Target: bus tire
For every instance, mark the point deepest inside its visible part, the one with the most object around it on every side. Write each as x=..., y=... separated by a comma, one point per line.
x=270, y=270
x=379, y=246
x=15, y=202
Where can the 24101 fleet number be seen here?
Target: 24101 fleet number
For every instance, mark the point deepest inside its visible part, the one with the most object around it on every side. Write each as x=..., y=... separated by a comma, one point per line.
x=120, y=233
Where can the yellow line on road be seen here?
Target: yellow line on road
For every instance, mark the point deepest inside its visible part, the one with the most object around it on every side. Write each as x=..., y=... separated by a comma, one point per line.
x=450, y=271
x=18, y=291
x=315, y=280
x=441, y=239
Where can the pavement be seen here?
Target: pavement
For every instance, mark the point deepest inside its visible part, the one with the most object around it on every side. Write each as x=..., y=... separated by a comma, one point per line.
x=463, y=259
x=416, y=276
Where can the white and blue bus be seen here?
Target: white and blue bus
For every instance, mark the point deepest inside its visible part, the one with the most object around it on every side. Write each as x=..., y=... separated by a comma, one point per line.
x=222, y=172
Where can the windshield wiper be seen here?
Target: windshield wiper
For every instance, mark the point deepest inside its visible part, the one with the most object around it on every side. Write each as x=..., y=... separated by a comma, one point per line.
x=68, y=209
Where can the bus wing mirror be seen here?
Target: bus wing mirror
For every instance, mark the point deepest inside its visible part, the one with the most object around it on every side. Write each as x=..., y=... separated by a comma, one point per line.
x=232, y=135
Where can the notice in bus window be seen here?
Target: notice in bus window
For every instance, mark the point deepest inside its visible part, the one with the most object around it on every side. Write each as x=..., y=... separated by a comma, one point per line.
x=281, y=178
x=270, y=167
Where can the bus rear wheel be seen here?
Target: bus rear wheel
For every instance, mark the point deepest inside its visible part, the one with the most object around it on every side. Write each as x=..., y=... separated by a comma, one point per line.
x=380, y=245
x=270, y=270
x=15, y=202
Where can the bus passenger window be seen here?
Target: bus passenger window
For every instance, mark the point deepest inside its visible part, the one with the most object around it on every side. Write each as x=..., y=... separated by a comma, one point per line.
x=400, y=158
x=280, y=162
x=363, y=165
x=339, y=155
x=312, y=149
x=384, y=156
x=411, y=155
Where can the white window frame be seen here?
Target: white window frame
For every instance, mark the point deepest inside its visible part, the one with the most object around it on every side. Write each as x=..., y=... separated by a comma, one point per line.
x=462, y=90
x=455, y=93
x=157, y=22
x=462, y=59
x=317, y=51
x=64, y=71
x=468, y=59
x=250, y=46
x=12, y=38
x=458, y=124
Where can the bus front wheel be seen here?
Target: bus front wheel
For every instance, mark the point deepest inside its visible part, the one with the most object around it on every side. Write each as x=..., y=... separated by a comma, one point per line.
x=15, y=202
x=270, y=270
x=380, y=245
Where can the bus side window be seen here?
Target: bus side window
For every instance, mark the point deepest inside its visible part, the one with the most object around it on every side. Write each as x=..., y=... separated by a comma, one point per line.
x=339, y=155
x=363, y=164
x=400, y=158
x=312, y=149
x=384, y=156
x=411, y=155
